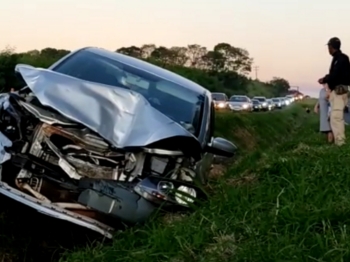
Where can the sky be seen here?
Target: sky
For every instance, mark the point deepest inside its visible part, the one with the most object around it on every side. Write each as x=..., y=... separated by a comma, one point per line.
x=286, y=38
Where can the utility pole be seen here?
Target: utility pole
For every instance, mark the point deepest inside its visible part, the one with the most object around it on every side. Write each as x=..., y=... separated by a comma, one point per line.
x=256, y=69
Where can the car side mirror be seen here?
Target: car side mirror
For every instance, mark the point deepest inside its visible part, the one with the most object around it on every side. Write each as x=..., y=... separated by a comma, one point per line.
x=222, y=147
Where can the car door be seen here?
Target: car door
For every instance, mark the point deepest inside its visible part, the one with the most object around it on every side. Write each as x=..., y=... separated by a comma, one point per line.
x=205, y=164
x=226, y=101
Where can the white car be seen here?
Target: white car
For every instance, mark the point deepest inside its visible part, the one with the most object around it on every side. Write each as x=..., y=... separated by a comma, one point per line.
x=240, y=103
x=220, y=100
x=285, y=100
x=290, y=98
x=263, y=101
x=278, y=102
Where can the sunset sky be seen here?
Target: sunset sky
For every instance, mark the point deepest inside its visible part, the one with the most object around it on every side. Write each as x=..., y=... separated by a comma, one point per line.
x=286, y=38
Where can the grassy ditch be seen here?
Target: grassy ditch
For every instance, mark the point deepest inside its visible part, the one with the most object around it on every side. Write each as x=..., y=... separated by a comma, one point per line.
x=277, y=202
x=28, y=236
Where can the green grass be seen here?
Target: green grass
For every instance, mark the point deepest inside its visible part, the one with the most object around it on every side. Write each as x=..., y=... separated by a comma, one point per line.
x=285, y=197
x=261, y=209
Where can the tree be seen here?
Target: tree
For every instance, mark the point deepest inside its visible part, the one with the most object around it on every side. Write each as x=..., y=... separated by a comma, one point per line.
x=147, y=49
x=214, y=61
x=130, y=51
x=236, y=59
x=280, y=85
x=179, y=55
x=195, y=54
x=53, y=53
x=8, y=61
x=164, y=56
x=222, y=69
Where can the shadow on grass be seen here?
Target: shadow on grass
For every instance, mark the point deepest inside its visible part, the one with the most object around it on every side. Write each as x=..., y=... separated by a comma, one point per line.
x=26, y=235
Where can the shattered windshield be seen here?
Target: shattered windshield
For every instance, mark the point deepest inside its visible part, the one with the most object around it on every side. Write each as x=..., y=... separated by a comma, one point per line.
x=178, y=103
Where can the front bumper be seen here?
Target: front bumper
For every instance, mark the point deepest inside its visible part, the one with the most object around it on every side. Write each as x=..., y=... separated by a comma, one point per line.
x=220, y=106
x=240, y=108
x=55, y=211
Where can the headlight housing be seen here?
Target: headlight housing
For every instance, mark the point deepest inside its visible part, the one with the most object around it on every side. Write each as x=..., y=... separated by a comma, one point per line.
x=221, y=105
x=182, y=199
x=245, y=105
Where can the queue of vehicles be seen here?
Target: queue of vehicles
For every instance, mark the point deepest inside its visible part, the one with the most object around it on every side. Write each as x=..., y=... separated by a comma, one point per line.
x=254, y=104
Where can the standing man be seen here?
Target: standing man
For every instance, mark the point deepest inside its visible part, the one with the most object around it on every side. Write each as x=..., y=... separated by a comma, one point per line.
x=338, y=81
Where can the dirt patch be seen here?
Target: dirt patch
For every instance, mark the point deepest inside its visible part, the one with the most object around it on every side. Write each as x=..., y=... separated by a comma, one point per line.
x=245, y=137
x=217, y=171
x=170, y=218
x=244, y=179
x=224, y=247
x=301, y=147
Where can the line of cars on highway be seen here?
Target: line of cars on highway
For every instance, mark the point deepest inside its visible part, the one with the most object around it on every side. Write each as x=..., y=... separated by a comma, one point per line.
x=256, y=103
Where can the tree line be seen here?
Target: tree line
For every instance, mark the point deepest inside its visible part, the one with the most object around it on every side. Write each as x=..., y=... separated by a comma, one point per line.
x=225, y=68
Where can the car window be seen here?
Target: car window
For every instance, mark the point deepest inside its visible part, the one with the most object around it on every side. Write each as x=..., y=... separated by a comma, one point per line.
x=177, y=102
x=218, y=97
x=239, y=99
x=261, y=99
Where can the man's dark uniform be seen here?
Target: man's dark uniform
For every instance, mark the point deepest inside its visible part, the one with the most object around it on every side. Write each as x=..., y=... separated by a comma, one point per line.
x=338, y=78
x=339, y=72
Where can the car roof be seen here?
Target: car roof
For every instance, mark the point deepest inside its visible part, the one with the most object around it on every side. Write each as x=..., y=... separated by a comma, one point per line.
x=239, y=96
x=148, y=67
x=217, y=93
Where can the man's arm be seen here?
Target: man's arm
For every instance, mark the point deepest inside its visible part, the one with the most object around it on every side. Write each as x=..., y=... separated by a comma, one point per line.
x=316, y=108
x=341, y=63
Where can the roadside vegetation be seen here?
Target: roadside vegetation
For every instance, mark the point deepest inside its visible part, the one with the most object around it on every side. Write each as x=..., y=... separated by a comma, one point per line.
x=178, y=235
x=286, y=197
x=225, y=68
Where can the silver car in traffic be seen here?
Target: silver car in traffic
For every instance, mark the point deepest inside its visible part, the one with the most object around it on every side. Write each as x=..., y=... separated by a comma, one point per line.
x=240, y=103
x=263, y=101
x=278, y=102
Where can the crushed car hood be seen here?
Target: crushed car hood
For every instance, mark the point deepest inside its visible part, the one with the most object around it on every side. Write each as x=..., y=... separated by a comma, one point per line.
x=121, y=116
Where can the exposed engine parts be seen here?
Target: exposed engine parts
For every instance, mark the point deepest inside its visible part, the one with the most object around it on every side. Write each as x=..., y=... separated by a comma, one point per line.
x=68, y=167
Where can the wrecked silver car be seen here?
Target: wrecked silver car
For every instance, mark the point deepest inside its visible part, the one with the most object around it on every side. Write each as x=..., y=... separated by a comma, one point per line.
x=101, y=137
